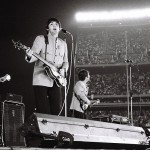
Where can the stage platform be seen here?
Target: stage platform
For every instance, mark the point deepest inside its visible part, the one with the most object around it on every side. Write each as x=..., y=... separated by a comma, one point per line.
x=48, y=131
x=33, y=148
x=20, y=148
x=43, y=132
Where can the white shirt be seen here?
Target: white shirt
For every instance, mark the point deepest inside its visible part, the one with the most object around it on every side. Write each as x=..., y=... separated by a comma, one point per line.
x=82, y=91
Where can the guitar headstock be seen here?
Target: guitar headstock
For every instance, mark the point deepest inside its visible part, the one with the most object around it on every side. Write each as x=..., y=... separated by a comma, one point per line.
x=19, y=45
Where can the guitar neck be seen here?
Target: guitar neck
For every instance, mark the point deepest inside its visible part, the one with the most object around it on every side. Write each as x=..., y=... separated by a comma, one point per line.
x=41, y=59
x=94, y=101
x=21, y=46
x=44, y=61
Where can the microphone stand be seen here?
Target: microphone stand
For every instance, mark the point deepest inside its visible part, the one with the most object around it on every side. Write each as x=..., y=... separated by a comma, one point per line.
x=65, y=94
x=66, y=90
x=65, y=73
x=130, y=93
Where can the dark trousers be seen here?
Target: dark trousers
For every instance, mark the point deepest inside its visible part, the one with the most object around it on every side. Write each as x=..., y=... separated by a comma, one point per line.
x=77, y=114
x=48, y=99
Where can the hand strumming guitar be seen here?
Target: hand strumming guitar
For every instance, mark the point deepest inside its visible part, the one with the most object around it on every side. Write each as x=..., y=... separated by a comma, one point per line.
x=62, y=72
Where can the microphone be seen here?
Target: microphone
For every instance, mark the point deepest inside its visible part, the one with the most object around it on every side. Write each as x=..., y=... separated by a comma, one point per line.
x=65, y=31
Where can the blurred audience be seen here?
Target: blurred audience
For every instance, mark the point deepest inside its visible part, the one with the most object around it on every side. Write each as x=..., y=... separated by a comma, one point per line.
x=115, y=45
x=116, y=84
x=111, y=45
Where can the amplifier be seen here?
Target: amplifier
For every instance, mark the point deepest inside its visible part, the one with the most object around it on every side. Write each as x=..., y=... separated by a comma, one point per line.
x=119, y=119
x=12, y=119
x=13, y=97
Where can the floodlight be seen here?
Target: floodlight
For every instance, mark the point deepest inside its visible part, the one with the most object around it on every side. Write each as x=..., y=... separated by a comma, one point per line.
x=112, y=15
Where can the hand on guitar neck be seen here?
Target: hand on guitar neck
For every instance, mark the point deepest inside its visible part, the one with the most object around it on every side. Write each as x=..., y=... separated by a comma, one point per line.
x=29, y=52
x=7, y=77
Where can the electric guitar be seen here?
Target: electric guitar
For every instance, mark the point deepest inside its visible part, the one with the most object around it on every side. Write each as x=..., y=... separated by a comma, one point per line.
x=51, y=71
x=7, y=77
x=84, y=106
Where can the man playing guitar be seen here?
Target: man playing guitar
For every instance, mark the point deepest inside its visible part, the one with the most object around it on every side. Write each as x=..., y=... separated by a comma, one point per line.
x=80, y=100
x=48, y=96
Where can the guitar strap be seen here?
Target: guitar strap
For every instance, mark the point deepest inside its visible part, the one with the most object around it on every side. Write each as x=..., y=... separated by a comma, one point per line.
x=80, y=100
x=46, y=42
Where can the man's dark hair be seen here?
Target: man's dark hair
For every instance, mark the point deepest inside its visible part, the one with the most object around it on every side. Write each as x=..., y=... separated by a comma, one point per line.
x=82, y=74
x=51, y=20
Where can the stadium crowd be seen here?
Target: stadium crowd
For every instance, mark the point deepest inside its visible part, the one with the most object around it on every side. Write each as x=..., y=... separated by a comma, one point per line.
x=113, y=45
x=101, y=46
